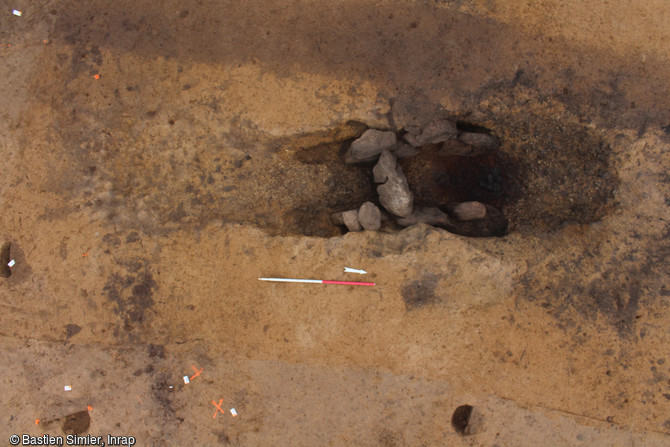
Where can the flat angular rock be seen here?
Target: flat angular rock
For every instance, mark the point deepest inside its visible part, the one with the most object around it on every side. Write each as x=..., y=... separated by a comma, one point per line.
x=369, y=216
x=385, y=167
x=429, y=216
x=438, y=131
x=470, y=211
x=350, y=219
x=483, y=141
x=369, y=146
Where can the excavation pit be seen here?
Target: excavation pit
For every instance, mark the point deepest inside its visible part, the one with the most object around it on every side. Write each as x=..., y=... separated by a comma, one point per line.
x=544, y=175
x=544, y=179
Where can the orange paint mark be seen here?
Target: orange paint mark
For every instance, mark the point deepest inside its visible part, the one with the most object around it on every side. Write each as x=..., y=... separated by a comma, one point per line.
x=197, y=373
x=97, y=76
x=37, y=421
x=89, y=408
x=218, y=408
x=83, y=255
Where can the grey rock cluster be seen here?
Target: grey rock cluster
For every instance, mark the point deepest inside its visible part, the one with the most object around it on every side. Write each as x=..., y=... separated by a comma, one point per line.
x=367, y=217
x=394, y=193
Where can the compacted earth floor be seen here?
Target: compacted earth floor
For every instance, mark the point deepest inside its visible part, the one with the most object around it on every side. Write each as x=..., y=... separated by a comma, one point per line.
x=157, y=158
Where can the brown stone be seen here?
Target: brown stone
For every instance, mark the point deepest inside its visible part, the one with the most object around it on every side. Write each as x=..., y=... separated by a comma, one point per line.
x=470, y=211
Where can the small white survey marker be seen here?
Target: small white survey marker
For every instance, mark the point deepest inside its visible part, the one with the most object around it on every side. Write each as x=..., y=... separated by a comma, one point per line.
x=16, y=12
x=350, y=270
x=186, y=379
x=11, y=263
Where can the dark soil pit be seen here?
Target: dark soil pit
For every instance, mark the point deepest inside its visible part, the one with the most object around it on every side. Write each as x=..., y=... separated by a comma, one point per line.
x=544, y=175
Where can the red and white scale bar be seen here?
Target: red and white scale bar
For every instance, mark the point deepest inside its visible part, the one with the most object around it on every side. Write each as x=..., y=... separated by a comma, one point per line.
x=319, y=281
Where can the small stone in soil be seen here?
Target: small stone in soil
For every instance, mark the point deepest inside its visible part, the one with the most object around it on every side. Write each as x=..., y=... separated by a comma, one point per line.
x=350, y=219
x=470, y=211
x=369, y=216
x=369, y=146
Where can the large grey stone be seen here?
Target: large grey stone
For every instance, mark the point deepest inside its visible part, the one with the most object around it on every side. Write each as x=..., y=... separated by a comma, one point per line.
x=394, y=192
x=369, y=216
x=369, y=146
x=395, y=195
x=470, y=211
x=429, y=216
x=483, y=141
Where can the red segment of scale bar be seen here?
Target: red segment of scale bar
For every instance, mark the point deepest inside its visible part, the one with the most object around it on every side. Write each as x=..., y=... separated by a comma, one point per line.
x=349, y=283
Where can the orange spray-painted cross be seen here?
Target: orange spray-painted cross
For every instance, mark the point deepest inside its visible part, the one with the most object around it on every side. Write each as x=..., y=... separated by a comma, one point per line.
x=197, y=373
x=218, y=408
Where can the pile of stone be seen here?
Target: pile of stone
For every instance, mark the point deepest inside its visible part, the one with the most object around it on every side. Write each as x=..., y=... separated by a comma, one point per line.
x=394, y=192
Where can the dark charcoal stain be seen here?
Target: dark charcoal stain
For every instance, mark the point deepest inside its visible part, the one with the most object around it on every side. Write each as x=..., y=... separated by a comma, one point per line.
x=76, y=423
x=156, y=351
x=163, y=395
x=421, y=292
x=132, y=295
x=222, y=437
x=5, y=271
x=71, y=330
x=437, y=179
x=461, y=418
x=388, y=438
x=111, y=239
x=617, y=294
x=133, y=237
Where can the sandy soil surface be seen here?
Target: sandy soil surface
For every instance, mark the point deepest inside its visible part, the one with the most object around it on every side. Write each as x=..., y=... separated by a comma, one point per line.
x=159, y=157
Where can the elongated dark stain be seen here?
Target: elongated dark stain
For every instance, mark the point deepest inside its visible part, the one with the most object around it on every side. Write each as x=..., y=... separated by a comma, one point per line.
x=5, y=271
